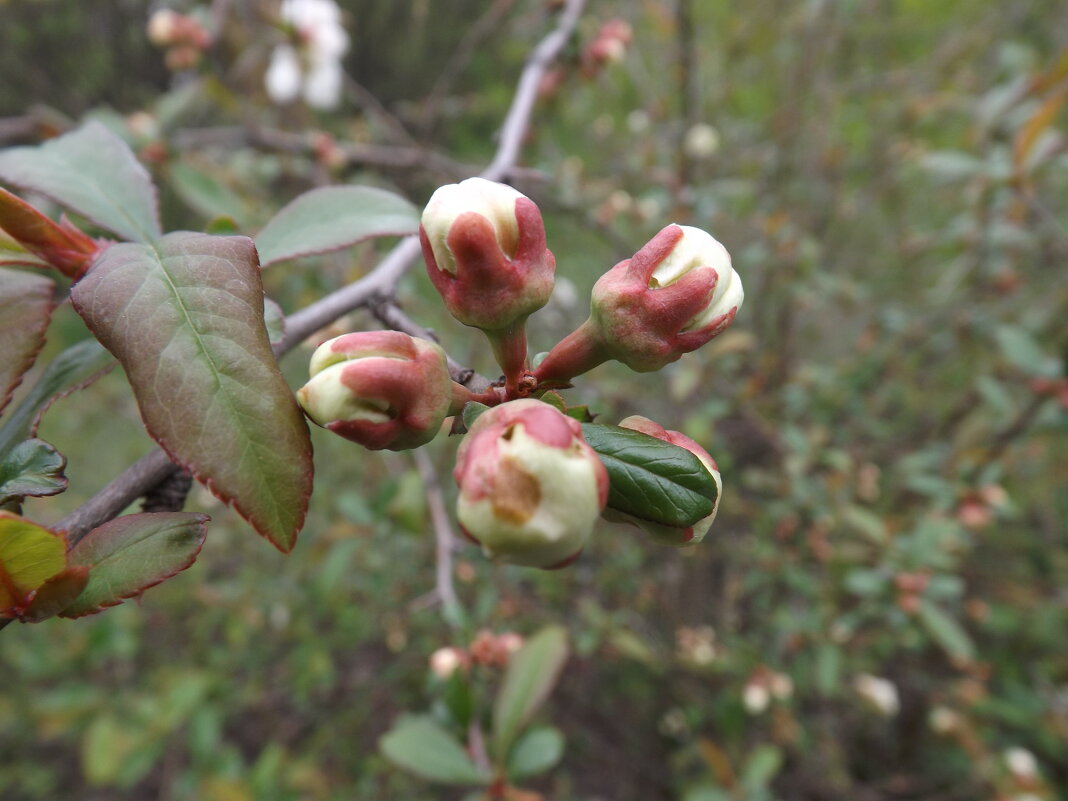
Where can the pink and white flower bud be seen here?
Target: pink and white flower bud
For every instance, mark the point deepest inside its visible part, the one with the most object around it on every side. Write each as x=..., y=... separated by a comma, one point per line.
x=674, y=295
x=531, y=489
x=672, y=535
x=382, y=389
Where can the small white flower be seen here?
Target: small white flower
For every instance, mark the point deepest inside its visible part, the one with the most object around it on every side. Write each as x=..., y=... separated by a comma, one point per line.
x=283, y=76
x=445, y=661
x=755, y=697
x=943, y=720
x=701, y=141
x=879, y=692
x=1021, y=762
x=311, y=69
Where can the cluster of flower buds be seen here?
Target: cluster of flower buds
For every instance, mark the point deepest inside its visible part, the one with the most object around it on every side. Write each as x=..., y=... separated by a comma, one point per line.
x=309, y=66
x=531, y=488
x=183, y=37
x=488, y=649
x=607, y=47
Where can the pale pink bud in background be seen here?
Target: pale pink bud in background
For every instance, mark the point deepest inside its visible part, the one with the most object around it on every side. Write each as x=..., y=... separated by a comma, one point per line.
x=162, y=27
x=880, y=693
x=446, y=661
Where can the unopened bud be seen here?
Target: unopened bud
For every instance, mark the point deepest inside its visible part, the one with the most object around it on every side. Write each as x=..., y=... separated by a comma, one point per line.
x=531, y=489
x=446, y=661
x=163, y=26
x=382, y=389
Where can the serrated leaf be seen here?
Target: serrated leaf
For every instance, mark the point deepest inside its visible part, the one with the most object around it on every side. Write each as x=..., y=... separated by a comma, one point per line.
x=29, y=555
x=33, y=468
x=76, y=365
x=93, y=172
x=946, y=631
x=538, y=750
x=532, y=673
x=332, y=218
x=421, y=746
x=25, y=309
x=185, y=320
x=130, y=554
x=652, y=479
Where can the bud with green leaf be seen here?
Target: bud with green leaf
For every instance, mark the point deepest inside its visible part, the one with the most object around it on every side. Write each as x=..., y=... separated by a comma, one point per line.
x=531, y=489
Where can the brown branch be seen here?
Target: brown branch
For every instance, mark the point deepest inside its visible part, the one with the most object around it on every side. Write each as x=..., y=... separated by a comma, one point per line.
x=153, y=468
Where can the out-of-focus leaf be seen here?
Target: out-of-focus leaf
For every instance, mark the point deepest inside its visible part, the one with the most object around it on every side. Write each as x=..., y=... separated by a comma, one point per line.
x=538, y=750
x=332, y=218
x=204, y=193
x=761, y=767
x=652, y=479
x=29, y=555
x=1021, y=349
x=946, y=631
x=92, y=172
x=15, y=255
x=951, y=165
x=25, y=309
x=32, y=468
x=275, y=321
x=531, y=675
x=472, y=411
x=74, y=366
x=114, y=752
x=132, y=553
x=421, y=746
x=185, y=319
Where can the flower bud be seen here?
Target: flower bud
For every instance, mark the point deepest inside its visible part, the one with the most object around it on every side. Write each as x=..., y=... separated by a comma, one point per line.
x=484, y=246
x=531, y=488
x=674, y=295
x=661, y=532
x=382, y=389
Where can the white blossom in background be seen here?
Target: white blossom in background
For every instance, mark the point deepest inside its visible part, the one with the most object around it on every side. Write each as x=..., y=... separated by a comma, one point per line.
x=1021, y=762
x=312, y=67
x=879, y=692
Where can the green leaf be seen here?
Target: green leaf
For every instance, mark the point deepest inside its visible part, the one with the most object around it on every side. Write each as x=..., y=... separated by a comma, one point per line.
x=1024, y=352
x=33, y=468
x=472, y=411
x=531, y=675
x=332, y=218
x=93, y=172
x=421, y=746
x=947, y=632
x=185, y=319
x=29, y=555
x=76, y=366
x=132, y=553
x=275, y=321
x=761, y=767
x=204, y=193
x=56, y=594
x=538, y=750
x=652, y=479
x=25, y=309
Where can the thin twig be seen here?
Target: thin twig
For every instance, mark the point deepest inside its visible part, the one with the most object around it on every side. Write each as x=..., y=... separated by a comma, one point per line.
x=144, y=474
x=444, y=538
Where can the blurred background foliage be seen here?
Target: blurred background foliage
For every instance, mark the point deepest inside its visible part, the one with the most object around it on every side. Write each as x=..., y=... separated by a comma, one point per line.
x=879, y=612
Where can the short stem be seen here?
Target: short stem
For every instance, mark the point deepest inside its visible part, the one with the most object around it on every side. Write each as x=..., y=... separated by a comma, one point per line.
x=510, y=349
x=577, y=353
x=461, y=396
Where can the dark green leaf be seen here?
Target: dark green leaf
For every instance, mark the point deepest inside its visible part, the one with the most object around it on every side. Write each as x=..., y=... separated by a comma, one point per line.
x=32, y=468
x=185, y=319
x=25, y=309
x=204, y=193
x=93, y=172
x=132, y=553
x=538, y=750
x=421, y=746
x=652, y=479
x=334, y=217
x=75, y=366
x=531, y=675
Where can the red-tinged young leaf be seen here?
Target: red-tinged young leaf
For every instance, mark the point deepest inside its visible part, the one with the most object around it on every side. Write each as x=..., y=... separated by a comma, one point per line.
x=185, y=320
x=56, y=594
x=93, y=172
x=334, y=217
x=130, y=554
x=32, y=468
x=61, y=245
x=25, y=309
x=29, y=556
x=12, y=254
